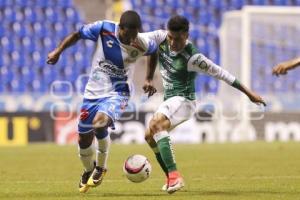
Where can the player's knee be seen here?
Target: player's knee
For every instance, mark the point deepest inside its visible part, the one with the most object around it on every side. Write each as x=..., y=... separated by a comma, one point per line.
x=101, y=120
x=101, y=133
x=156, y=125
x=85, y=140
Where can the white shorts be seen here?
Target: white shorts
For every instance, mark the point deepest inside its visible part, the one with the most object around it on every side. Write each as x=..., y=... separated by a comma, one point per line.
x=177, y=109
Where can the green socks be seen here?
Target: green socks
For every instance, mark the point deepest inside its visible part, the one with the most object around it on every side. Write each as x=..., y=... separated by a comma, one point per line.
x=159, y=159
x=164, y=146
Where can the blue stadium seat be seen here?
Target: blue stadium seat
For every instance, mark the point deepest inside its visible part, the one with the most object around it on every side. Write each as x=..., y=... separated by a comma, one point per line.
x=9, y=15
x=17, y=85
x=237, y=4
x=204, y=17
x=38, y=86
x=72, y=15
x=150, y=3
x=2, y=4
x=48, y=21
x=6, y=44
x=30, y=14
x=172, y=3
x=197, y=3
x=280, y=2
x=258, y=2
x=64, y=3
x=19, y=29
x=6, y=74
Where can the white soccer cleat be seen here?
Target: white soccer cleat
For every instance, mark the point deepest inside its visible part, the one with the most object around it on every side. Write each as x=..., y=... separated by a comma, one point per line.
x=177, y=185
x=175, y=182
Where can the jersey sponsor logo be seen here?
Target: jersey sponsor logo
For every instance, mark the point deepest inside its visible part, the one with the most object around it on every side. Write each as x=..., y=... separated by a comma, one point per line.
x=167, y=62
x=168, y=85
x=109, y=69
x=200, y=63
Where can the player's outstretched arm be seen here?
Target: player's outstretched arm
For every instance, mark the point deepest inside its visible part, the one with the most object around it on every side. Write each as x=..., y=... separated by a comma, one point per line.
x=284, y=67
x=71, y=39
x=151, y=66
x=199, y=63
x=255, y=98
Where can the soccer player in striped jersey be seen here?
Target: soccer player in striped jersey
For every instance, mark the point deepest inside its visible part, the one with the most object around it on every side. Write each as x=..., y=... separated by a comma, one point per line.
x=107, y=91
x=179, y=62
x=284, y=67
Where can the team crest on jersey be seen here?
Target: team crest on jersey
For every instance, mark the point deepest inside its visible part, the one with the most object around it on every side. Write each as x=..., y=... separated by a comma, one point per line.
x=134, y=53
x=198, y=62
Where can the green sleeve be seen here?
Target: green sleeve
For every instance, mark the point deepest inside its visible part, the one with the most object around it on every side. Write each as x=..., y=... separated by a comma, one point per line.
x=236, y=84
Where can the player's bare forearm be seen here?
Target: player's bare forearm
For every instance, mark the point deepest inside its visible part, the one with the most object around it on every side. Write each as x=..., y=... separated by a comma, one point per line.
x=255, y=98
x=151, y=66
x=284, y=67
x=71, y=39
x=68, y=41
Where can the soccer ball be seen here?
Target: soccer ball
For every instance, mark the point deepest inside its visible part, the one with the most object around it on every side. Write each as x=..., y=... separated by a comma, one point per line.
x=137, y=168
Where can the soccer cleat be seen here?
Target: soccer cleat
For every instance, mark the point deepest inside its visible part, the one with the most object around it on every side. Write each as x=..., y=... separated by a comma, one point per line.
x=165, y=186
x=97, y=176
x=83, y=187
x=175, y=182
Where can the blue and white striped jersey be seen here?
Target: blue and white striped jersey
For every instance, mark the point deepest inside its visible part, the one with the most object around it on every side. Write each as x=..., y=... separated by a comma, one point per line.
x=110, y=66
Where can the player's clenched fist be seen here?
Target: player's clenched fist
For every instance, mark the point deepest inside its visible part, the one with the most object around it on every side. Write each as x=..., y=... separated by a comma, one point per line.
x=53, y=57
x=149, y=88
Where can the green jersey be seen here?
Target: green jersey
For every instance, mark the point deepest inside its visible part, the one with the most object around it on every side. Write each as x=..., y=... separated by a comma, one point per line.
x=177, y=80
x=179, y=69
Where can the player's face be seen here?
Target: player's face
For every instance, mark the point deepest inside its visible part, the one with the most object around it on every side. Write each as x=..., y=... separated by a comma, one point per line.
x=177, y=40
x=127, y=35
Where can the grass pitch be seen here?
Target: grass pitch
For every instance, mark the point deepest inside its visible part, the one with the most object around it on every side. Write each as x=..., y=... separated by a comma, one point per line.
x=211, y=171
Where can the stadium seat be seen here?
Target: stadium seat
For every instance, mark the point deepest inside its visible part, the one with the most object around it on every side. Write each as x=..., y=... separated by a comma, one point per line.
x=280, y=2
x=64, y=3
x=9, y=15
x=48, y=21
x=258, y=2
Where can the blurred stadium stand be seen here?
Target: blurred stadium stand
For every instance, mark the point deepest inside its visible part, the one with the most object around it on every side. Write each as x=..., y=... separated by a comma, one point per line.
x=29, y=29
x=206, y=17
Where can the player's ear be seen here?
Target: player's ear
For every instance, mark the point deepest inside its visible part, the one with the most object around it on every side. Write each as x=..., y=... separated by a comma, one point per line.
x=187, y=35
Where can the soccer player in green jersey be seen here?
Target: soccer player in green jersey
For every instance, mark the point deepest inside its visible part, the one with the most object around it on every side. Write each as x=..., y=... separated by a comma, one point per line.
x=284, y=67
x=179, y=62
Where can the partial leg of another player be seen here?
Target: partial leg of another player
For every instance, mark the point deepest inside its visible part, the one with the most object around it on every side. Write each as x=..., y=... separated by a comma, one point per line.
x=100, y=124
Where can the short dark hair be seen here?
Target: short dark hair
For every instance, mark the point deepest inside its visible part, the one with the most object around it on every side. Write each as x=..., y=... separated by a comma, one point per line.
x=178, y=23
x=130, y=19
